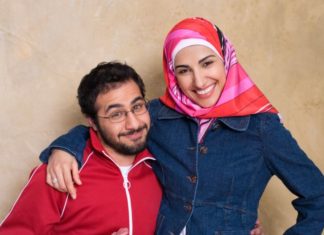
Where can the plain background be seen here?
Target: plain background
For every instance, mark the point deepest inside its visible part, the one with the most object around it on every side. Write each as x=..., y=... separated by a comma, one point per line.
x=47, y=46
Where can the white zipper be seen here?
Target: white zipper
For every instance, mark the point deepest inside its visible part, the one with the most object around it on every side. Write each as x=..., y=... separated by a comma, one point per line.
x=126, y=185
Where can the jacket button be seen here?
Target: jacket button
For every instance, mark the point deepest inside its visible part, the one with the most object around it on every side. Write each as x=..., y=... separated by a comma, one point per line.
x=188, y=207
x=192, y=179
x=203, y=150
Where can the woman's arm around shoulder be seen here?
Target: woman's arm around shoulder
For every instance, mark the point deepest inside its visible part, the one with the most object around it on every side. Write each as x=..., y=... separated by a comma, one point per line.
x=62, y=156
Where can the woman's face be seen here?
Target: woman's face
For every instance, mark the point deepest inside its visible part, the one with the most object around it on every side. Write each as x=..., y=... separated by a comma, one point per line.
x=200, y=74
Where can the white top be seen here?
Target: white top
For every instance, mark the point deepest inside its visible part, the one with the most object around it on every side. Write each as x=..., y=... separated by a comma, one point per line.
x=124, y=170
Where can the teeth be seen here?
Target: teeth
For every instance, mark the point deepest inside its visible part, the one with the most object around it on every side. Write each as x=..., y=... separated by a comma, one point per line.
x=203, y=92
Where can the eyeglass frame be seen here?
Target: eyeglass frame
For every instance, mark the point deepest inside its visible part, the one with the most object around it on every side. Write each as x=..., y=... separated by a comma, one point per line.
x=125, y=113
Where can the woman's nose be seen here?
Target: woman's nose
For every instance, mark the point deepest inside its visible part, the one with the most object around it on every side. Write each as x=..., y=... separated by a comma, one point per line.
x=198, y=79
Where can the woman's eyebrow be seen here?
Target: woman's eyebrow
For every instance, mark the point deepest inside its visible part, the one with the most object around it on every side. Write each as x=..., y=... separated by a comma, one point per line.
x=199, y=61
x=181, y=66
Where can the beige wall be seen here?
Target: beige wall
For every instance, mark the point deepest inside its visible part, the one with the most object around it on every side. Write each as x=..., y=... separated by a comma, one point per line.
x=46, y=46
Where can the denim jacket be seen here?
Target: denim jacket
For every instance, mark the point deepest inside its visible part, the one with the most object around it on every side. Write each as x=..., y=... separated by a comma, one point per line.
x=214, y=187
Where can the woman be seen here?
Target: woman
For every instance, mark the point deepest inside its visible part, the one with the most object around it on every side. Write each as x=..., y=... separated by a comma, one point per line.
x=218, y=142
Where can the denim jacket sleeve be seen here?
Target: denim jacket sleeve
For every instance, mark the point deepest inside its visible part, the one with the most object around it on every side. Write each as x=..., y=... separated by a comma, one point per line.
x=72, y=142
x=286, y=160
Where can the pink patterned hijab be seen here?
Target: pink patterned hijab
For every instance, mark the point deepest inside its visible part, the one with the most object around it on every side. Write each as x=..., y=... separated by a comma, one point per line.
x=239, y=97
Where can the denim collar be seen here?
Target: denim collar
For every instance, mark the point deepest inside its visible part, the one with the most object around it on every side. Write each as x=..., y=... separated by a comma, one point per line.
x=235, y=123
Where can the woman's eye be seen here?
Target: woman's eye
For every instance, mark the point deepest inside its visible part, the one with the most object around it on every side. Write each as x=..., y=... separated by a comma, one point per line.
x=182, y=71
x=205, y=64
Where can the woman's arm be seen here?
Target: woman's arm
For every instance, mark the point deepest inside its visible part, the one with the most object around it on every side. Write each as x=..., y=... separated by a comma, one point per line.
x=62, y=156
x=72, y=142
x=286, y=160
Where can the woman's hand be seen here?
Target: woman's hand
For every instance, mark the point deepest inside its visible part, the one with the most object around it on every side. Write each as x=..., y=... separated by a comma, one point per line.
x=121, y=231
x=62, y=172
x=257, y=229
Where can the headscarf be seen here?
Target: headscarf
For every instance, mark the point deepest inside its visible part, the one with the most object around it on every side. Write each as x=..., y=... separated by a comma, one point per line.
x=239, y=97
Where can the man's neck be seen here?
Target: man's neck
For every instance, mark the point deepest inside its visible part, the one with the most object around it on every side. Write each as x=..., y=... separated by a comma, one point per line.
x=120, y=159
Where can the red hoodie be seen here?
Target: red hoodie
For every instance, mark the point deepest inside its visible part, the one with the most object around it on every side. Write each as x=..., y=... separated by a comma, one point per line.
x=106, y=200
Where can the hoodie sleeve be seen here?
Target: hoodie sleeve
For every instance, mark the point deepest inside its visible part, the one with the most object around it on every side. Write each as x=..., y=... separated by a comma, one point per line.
x=37, y=209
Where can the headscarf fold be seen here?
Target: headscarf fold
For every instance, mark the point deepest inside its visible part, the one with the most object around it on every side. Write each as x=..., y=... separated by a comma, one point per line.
x=239, y=97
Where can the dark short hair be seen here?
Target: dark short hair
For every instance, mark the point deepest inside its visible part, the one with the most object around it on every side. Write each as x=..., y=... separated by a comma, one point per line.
x=106, y=76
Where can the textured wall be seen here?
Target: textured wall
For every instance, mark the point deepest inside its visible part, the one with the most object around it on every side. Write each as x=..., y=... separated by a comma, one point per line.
x=47, y=46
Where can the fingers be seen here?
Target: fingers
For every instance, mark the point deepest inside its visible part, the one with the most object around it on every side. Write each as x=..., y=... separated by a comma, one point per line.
x=61, y=170
x=68, y=182
x=75, y=173
x=60, y=175
x=49, y=178
x=54, y=179
x=121, y=231
x=257, y=229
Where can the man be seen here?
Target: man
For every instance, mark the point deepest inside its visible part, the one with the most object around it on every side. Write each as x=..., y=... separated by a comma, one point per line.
x=119, y=188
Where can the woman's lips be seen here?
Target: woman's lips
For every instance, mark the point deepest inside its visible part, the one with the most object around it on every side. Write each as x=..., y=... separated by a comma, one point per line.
x=205, y=92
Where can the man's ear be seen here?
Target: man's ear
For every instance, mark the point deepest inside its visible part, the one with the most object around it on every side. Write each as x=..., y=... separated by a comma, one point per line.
x=92, y=123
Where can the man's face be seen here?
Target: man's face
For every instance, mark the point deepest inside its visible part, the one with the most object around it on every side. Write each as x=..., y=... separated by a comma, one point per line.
x=126, y=137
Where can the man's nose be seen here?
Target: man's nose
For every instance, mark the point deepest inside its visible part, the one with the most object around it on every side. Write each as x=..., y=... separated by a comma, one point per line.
x=131, y=121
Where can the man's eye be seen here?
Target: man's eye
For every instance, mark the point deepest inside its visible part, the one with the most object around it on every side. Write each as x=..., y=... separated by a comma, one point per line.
x=116, y=115
x=138, y=107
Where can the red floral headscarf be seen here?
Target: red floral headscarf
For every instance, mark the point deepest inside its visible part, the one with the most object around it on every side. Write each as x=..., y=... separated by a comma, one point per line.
x=239, y=97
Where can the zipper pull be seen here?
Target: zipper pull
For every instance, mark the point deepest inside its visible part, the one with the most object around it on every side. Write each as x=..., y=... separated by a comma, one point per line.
x=126, y=183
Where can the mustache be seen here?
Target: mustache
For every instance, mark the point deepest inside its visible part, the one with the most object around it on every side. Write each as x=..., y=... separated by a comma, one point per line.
x=130, y=132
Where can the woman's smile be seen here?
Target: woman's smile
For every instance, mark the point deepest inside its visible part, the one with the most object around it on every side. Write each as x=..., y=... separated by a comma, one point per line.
x=206, y=91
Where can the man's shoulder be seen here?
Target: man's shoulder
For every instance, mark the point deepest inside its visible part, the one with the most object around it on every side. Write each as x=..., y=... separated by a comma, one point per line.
x=38, y=172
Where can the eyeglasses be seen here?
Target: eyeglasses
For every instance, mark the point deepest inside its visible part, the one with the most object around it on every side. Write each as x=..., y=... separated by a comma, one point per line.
x=120, y=115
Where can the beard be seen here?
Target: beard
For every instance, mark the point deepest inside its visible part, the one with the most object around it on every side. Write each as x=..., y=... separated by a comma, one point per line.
x=123, y=148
